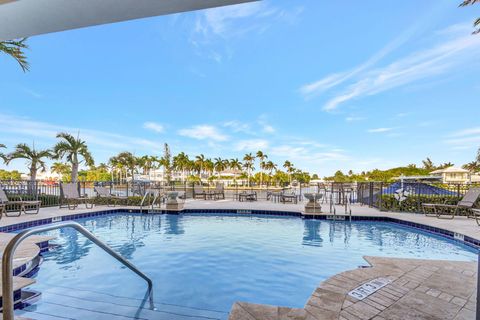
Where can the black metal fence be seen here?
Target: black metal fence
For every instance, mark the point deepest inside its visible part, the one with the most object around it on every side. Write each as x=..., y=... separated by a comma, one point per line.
x=409, y=196
x=397, y=196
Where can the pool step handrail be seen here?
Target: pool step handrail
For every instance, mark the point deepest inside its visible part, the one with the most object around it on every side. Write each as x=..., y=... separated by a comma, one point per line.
x=7, y=261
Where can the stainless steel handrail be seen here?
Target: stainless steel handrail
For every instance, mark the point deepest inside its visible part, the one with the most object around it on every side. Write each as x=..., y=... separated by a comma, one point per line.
x=7, y=261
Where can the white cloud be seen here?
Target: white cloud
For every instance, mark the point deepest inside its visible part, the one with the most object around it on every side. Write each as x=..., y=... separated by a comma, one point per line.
x=203, y=132
x=153, y=126
x=464, y=139
x=29, y=129
x=379, y=130
x=237, y=126
x=251, y=145
x=452, y=51
x=354, y=118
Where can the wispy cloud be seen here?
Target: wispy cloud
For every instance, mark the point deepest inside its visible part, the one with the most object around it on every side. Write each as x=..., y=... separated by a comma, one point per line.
x=354, y=118
x=238, y=126
x=229, y=22
x=449, y=53
x=251, y=145
x=153, y=126
x=203, y=132
x=464, y=139
x=26, y=128
x=379, y=130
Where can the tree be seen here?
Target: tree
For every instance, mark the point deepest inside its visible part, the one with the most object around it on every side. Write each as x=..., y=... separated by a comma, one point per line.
x=235, y=165
x=72, y=149
x=181, y=163
x=199, y=163
x=219, y=165
x=472, y=166
x=428, y=164
x=62, y=169
x=2, y=156
x=248, y=165
x=166, y=162
x=261, y=156
x=35, y=158
x=289, y=167
x=476, y=23
x=478, y=156
x=125, y=160
x=15, y=49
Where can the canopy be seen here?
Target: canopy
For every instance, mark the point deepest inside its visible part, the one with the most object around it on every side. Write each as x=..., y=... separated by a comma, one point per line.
x=25, y=18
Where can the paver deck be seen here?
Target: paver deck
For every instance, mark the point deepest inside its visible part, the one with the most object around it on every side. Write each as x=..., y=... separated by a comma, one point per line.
x=420, y=289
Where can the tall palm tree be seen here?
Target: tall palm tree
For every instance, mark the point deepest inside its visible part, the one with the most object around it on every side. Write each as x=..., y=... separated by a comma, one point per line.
x=209, y=167
x=180, y=163
x=270, y=166
x=476, y=23
x=235, y=165
x=248, y=165
x=2, y=156
x=14, y=48
x=219, y=165
x=289, y=167
x=261, y=156
x=199, y=163
x=72, y=149
x=35, y=158
x=471, y=166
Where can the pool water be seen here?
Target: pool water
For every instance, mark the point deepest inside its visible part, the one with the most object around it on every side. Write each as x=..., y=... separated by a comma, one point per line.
x=202, y=264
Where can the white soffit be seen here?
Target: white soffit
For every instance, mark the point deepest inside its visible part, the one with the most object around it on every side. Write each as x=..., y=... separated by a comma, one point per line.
x=25, y=18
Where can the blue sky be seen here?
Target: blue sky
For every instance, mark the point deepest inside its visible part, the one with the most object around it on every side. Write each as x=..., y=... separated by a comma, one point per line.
x=326, y=84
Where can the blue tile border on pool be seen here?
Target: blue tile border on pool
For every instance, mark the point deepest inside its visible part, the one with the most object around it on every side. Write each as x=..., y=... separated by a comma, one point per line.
x=433, y=230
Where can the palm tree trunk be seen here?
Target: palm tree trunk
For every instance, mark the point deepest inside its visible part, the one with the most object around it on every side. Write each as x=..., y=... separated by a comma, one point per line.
x=75, y=169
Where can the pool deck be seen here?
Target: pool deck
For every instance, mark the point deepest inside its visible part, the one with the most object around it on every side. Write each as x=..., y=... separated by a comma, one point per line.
x=420, y=289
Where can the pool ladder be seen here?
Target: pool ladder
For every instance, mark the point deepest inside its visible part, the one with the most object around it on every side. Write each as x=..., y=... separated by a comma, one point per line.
x=7, y=261
x=347, y=205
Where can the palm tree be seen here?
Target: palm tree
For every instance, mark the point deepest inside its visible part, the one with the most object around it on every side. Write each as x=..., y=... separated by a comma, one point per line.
x=476, y=23
x=72, y=149
x=219, y=165
x=127, y=161
x=248, y=165
x=428, y=164
x=261, y=156
x=35, y=159
x=209, y=167
x=471, y=166
x=61, y=169
x=2, y=156
x=180, y=163
x=14, y=48
x=235, y=165
x=270, y=166
x=199, y=163
x=289, y=166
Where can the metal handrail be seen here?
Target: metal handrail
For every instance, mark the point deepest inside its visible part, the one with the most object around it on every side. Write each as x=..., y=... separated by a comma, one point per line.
x=7, y=261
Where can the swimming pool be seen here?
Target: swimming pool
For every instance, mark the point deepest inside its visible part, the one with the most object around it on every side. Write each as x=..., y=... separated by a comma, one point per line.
x=201, y=264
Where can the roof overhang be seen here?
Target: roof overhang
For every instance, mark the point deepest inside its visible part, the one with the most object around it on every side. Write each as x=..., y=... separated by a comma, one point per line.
x=25, y=18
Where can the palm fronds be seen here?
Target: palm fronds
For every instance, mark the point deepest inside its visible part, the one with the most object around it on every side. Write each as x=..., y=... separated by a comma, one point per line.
x=476, y=23
x=15, y=49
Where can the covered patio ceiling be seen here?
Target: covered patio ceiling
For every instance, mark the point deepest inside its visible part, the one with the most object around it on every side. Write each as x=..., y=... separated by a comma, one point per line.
x=25, y=18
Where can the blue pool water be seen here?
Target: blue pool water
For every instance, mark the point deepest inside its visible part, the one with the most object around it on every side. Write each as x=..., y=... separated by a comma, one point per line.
x=201, y=264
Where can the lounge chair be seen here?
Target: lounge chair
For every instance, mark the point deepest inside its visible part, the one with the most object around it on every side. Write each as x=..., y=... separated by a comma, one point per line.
x=199, y=192
x=289, y=197
x=219, y=191
x=72, y=196
x=449, y=211
x=247, y=196
x=112, y=200
x=23, y=205
x=476, y=215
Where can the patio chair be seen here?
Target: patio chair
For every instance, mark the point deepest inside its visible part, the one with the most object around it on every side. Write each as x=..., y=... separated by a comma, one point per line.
x=247, y=196
x=289, y=197
x=72, y=197
x=112, y=200
x=449, y=211
x=219, y=191
x=198, y=191
x=23, y=205
x=476, y=215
